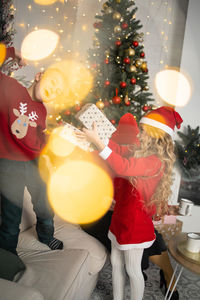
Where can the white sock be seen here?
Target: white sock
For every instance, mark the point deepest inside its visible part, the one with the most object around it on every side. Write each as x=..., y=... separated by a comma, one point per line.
x=133, y=259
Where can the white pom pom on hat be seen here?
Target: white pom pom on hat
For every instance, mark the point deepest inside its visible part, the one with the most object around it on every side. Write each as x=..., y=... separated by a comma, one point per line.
x=164, y=117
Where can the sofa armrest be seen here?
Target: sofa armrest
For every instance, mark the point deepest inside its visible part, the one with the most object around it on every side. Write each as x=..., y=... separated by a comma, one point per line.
x=12, y=290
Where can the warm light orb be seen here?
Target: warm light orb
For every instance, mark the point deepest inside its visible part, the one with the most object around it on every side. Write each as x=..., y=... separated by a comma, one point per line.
x=39, y=44
x=52, y=85
x=47, y=2
x=173, y=87
x=77, y=81
x=80, y=192
x=58, y=145
x=2, y=53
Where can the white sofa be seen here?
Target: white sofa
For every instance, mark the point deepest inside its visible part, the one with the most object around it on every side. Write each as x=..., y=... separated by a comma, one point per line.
x=69, y=274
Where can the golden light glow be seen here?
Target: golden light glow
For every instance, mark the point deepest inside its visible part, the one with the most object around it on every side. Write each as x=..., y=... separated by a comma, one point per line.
x=2, y=53
x=58, y=145
x=80, y=192
x=39, y=44
x=173, y=87
x=52, y=85
x=77, y=83
x=47, y=2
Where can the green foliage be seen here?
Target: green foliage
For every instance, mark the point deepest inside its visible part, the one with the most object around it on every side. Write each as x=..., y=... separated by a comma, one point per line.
x=6, y=22
x=188, y=151
x=117, y=56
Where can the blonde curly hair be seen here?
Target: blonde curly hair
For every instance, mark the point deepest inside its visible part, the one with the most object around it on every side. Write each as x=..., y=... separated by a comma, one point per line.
x=154, y=141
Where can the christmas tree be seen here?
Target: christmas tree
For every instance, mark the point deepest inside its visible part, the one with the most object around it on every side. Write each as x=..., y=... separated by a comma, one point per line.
x=6, y=31
x=117, y=62
x=188, y=157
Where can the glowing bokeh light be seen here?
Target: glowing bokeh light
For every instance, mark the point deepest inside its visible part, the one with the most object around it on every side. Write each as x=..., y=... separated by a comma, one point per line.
x=2, y=53
x=58, y=145
x=52, y=85
x=80, y=192
x=39, y=44
x=47, y=2
x=77, y=81
x=173, y=87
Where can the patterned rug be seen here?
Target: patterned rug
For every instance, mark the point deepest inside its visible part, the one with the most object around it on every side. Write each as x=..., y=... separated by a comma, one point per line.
x=188, y=285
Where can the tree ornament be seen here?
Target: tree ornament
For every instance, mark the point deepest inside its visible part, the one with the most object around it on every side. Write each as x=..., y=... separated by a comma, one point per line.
x=116, y=99
x=143, y=66
x=105, y=6
x=123, y=84
x=109, y=10
x=118, y=1
x=106, y=61
x=131, y=52
x=145, y=108
x=126, y=60
x=133, y=80
x=67, y=112
x=128, y=103
x=146, y=88
x=133, y=68
x=97, y=25
x=116, y=15
x=117, y=29
x=107, y=83
x=113, y=121
x=135, y=43
x=118, y=43
x=77, y=107
x=100, y=104
x=138, y=63
x=142, y=54
x=124, y=25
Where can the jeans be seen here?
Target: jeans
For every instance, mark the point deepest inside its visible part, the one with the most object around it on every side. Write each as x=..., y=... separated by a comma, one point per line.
x=14, y=176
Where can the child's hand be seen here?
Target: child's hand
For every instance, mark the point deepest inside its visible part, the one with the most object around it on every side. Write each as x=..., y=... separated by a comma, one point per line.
x=20, y=60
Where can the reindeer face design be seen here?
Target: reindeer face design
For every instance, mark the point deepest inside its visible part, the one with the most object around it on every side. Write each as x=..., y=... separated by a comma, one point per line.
x=20, y=126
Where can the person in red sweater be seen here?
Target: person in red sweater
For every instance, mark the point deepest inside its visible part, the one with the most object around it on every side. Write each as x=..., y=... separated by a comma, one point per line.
x=148, y=169
x=22, y=138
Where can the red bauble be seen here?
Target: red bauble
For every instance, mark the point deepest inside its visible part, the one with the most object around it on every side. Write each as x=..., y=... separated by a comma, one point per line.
x=113, y=121
x=145, y=108
x=116, y=100
x=67, y=112
x=126, y=60
x=128, y=103
x=145, y=70
x=133, y=80
x=135, y=43
x=107, y=83
x=97, y=25
x=106, y=103
x=118, y=43
x=60, y=122
x=77, y=107
x=106, y=61
x=124, y=25
x=142, y=54
x=122, y=84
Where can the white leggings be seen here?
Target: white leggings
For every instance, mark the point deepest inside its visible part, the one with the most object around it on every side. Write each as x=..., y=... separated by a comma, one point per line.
x=132, y=261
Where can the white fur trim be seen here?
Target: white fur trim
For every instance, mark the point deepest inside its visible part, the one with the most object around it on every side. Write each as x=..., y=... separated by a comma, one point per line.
x=157, y=124
x=105, y=153
x=128, y=246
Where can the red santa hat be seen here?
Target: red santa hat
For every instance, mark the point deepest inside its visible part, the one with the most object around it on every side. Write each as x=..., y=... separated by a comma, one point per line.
x=165, y=118
x=127, y=130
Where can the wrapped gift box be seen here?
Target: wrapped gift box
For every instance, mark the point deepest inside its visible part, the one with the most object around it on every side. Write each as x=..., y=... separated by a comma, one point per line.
x=68, y=133
x=169, y=230
x=89, y=114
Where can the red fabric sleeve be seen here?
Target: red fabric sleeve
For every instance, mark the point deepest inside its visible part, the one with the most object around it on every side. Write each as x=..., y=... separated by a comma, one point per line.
x=123, y=150
x=144, y=166
x=10, y=52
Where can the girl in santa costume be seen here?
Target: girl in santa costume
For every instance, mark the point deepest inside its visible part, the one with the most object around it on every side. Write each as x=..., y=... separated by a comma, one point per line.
x=148, y=169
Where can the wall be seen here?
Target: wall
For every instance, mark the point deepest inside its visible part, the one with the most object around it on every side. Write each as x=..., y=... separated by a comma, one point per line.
x=190, y=64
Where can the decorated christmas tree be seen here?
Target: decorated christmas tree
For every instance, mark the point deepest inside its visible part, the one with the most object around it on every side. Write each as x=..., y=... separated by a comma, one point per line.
x=188, y=157
x=117, y=62
x=6, y=30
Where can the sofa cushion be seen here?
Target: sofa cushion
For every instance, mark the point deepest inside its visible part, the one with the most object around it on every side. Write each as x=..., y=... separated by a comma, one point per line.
x=10, y=265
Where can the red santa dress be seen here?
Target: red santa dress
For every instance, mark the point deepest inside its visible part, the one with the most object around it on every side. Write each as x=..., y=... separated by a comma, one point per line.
x=131, y=224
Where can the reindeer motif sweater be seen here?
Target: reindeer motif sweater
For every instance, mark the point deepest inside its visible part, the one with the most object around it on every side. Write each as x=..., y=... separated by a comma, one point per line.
x=22, y=120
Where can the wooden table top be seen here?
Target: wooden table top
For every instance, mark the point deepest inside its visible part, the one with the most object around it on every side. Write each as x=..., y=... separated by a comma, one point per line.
x=172, y=247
